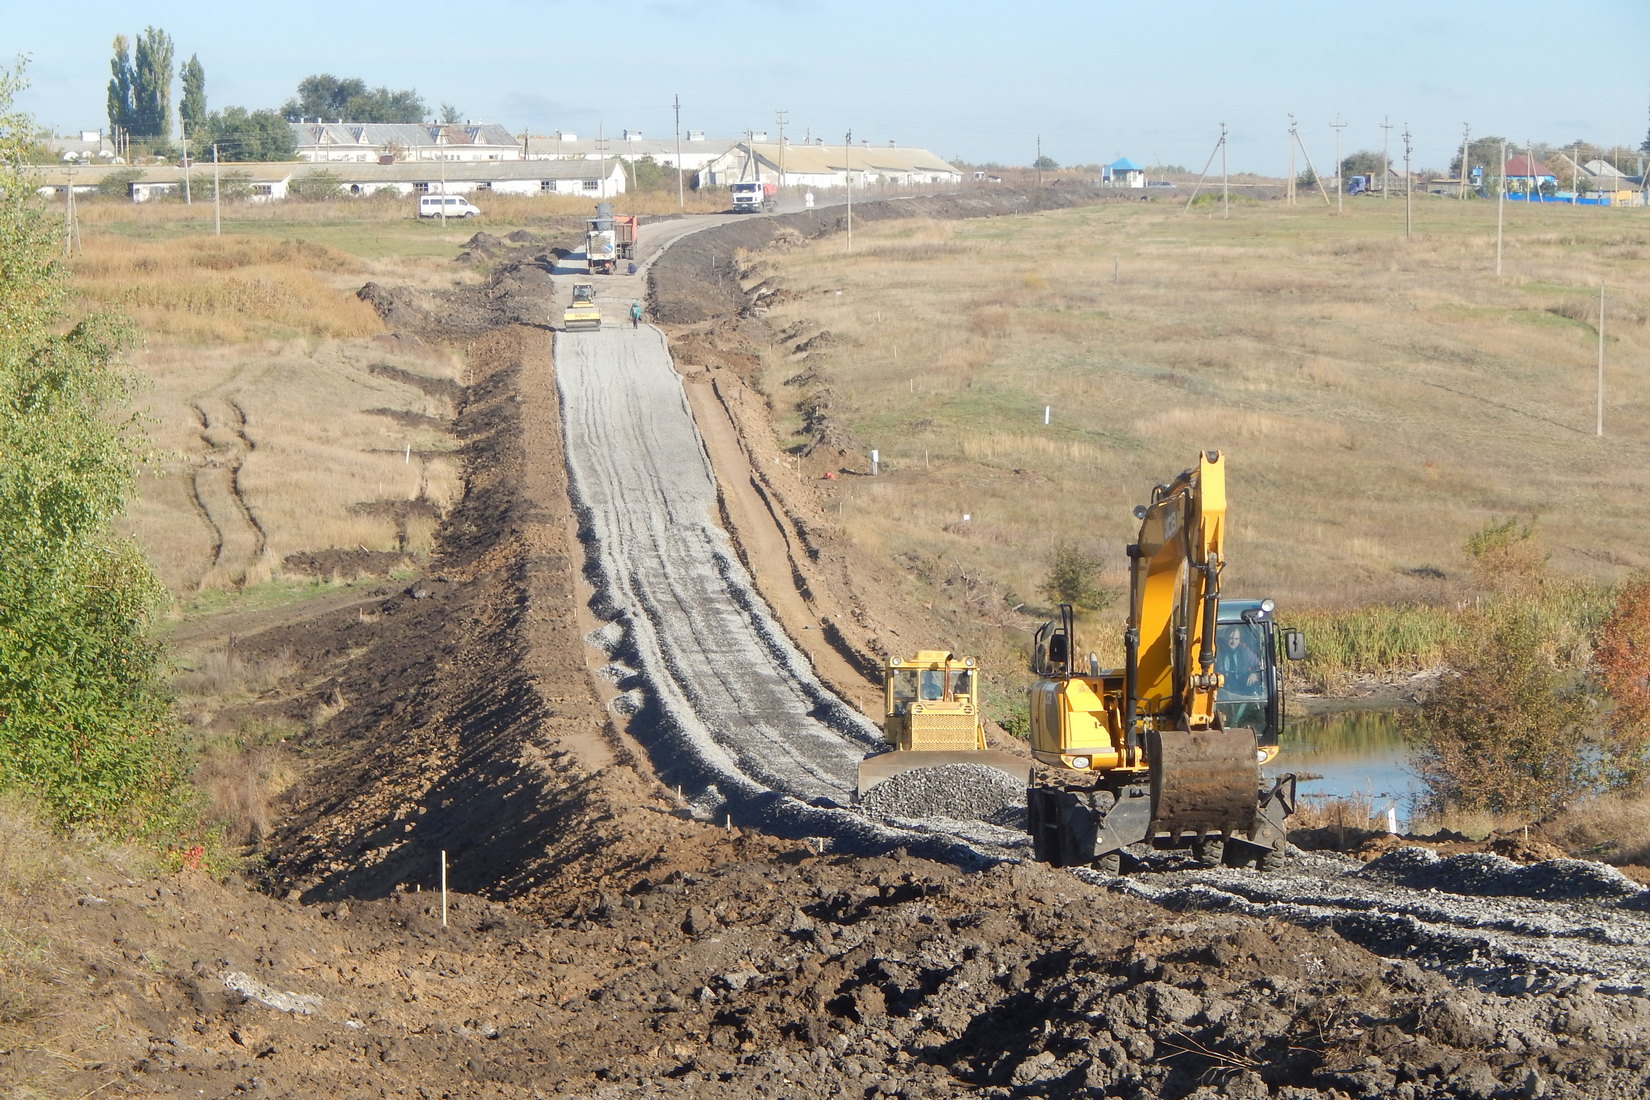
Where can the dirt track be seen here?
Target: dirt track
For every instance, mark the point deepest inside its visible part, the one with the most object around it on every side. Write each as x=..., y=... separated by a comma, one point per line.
x=607, y=944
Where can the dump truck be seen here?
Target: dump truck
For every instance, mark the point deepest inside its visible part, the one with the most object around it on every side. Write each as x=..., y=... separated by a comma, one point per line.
x=582, y=314
x=1165, y=751
x=932, y=717
x=609, y=239
x=753, y=196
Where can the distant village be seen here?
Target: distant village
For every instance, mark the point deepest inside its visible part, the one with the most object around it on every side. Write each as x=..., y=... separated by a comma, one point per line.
x=471, y=158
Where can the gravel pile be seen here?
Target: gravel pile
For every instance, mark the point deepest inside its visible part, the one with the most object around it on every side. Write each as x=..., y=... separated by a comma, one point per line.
x=1484, y=874
x=967, y=792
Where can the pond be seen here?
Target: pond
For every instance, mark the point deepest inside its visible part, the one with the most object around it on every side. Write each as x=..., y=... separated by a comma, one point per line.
x=1349, y=754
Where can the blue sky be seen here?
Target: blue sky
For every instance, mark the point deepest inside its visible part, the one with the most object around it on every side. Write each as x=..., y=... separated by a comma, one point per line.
x=974, y=81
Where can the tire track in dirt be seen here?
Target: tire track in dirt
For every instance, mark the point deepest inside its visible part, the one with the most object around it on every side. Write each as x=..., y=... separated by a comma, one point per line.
x=238, y=537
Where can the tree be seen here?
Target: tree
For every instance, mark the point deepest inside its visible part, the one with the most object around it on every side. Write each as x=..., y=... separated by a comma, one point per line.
x=1075, y=579
x=449, y=114
x=243, y=135
x=650, y=175
x=1362, y=163
x=192, y=107
x=1046, y=163
x=120, y=86
x=317, y=186
x=1483, y=153
x=325, y=96
x=1622, y=657
x=1502, y=731
x=85, y=726
x=152, y=85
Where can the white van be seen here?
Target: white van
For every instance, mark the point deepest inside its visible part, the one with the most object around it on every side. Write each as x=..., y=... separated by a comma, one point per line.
x=451, y=206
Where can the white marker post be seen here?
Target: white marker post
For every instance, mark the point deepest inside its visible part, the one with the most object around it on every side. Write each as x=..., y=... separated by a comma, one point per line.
x=874, y=463
x=443, y=887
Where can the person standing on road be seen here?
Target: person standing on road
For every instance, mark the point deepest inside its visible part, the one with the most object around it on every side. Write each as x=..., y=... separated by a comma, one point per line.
x=636, y=314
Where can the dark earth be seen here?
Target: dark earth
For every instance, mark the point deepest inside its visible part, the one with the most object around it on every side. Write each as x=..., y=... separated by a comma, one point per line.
x=598, y=941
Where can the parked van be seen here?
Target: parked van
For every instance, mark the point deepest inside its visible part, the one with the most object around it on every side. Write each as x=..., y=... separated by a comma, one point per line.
x=451, y=206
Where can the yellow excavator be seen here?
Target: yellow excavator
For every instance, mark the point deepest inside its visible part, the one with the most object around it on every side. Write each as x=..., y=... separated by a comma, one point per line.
x=582, y=314
x=932, y=717
x=1166, y=750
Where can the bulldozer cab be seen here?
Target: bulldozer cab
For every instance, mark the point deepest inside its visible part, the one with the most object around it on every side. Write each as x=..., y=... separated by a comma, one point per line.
x=931, y=717
x=1248, y=648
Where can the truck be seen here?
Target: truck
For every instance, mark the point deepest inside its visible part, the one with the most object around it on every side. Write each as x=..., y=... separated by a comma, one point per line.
x=752, y=196
x=609, y=239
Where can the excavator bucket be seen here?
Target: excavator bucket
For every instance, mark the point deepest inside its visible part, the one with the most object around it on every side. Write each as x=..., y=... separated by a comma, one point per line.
x=1204, y=782
x=875, y=769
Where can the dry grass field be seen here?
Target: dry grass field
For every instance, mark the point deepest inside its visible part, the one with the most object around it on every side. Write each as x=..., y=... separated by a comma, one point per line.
x=1378, y=399
x=280, y=423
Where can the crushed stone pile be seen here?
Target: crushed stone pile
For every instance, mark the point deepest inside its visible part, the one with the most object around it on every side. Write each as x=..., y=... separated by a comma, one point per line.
x=1487, y=875
x=967, y=792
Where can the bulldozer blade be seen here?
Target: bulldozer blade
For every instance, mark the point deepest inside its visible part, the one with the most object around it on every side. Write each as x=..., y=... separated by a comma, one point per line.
x=875, y=769
x=1203, y=782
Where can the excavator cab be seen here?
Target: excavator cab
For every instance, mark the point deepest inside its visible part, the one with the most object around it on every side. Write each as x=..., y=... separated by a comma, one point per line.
x=1248, y=649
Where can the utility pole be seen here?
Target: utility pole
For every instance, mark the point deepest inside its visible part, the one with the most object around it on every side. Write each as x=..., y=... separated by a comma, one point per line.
x=848, y=180
x=1386, y=161
x=1601, y=360
x=681, y=200
x=1038, y=163
x=68, y=216
x=183, y=134
x=1407, y=212
x=1289, y=183
x=781, y=113
x=601, y=162
x=1466, y=132
x=1500, y=205
x=217, y=202
x=1338, y=126
x=1225, y=180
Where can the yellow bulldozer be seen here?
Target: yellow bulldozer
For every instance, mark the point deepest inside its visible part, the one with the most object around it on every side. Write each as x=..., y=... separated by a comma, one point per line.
x=932, y=717
x=582, y=314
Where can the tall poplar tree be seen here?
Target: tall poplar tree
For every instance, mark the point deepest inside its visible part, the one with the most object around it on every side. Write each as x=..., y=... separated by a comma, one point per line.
x=192, y=105
x=152, y=85
x=120, y=86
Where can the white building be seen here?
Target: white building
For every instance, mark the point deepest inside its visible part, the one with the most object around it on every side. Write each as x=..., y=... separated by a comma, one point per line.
x=630, y=146
x=822, y=165
x=374, y=142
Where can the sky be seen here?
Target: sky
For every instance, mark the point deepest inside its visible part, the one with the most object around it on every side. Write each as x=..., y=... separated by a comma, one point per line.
x=1084, y=82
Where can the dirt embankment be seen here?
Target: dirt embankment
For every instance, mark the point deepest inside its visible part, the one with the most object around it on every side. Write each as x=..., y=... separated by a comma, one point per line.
x=603, y=945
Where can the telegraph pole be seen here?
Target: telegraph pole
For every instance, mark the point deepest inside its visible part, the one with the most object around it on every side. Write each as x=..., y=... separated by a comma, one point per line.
x=780, y=114
x=1338, y=126
x=1466, y=132
x=1407, y=223
x=1289, y=183
x=848, y=180
x=1500, y=205
x=681, y=201
x=1225, y=180
x=183, y=134
x=1386, y=161
x=1039, y=162
x=217, y=203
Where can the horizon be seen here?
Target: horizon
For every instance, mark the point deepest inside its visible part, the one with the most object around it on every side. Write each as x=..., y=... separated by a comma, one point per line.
x=1157, y=90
